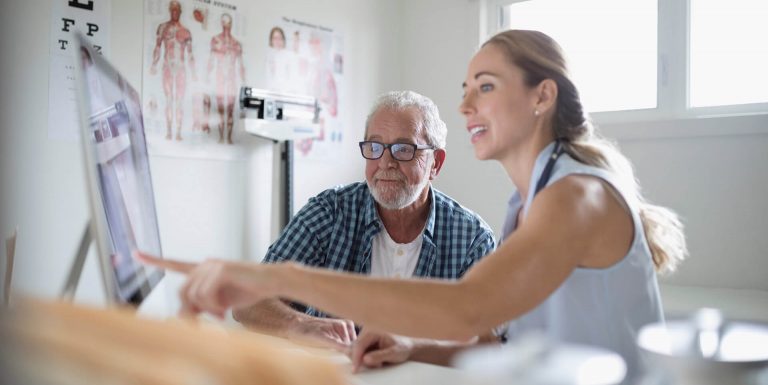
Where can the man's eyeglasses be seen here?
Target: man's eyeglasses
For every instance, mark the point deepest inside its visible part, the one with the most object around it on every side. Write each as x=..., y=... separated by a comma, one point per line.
x=400, y=151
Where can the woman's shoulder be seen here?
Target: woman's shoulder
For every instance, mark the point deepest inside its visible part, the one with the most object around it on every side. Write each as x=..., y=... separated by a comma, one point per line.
x=570, y=168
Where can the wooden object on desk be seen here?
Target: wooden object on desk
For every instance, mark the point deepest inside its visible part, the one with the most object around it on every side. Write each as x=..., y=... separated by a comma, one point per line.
x=63, y=343
x=10, y=253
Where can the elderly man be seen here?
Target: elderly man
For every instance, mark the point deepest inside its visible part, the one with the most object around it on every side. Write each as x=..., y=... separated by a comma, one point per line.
x=394, y=225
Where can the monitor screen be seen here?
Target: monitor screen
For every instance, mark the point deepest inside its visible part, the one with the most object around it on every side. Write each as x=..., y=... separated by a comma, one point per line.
x=123, y=216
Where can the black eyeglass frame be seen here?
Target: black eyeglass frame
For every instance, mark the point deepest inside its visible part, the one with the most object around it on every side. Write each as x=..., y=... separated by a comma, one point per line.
x=389, y=146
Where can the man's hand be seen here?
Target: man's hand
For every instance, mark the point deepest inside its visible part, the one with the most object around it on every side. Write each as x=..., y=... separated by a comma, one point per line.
x=337, y=334
x=374, y=349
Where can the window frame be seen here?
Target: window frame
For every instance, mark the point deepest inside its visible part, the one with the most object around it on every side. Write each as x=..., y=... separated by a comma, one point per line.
x=673, y=68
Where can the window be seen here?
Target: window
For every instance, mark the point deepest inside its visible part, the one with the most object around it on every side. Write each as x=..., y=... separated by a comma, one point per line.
x=651, y=59
x=610, y=46
x=728, y=52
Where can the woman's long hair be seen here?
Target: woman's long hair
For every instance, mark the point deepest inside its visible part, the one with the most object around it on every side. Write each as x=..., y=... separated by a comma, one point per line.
x=540, y=57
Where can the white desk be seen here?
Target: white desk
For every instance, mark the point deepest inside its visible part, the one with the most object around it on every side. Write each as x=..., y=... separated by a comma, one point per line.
x=80, y=344
x=411, y=373
x=406, y=373
x=402, y=374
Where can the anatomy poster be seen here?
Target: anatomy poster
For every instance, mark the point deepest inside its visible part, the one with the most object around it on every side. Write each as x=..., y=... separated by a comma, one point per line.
x=193, y=70
x=308, y=59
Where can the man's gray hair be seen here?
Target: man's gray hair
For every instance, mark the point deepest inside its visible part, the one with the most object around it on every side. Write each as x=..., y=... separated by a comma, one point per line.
x=431, y=123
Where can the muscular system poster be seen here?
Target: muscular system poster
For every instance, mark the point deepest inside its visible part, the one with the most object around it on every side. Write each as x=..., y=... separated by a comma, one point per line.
x=306, y=58
x=193, y=70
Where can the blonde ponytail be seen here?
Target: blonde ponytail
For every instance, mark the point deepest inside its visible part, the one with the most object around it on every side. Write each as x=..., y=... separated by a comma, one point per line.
x=664, y=233
x=541, y=58
x=662, y=227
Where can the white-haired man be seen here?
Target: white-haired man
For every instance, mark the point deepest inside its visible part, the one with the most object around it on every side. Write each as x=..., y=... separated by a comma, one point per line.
x=394, y=225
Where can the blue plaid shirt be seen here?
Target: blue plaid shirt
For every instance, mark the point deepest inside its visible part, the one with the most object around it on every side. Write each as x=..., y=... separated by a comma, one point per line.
x=335, y=230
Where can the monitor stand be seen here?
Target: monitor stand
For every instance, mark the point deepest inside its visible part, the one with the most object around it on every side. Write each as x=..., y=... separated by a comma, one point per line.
x=10, y=254
x=156, y=305
x=73, y=278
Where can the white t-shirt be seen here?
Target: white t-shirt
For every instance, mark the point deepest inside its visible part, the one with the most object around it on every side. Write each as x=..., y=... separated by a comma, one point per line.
x=390, y=259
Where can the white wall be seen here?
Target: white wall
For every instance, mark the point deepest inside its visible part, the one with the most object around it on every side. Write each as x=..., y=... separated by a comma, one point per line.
x=442, y=37
x=205, y=207
x=717, y=181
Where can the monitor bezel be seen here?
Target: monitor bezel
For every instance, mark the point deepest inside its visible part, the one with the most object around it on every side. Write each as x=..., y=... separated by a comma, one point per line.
x=98, y=220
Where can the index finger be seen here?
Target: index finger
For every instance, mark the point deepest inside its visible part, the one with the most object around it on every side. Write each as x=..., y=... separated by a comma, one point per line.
x=169, y=264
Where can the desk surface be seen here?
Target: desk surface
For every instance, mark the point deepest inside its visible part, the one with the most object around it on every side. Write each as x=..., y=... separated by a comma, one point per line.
x=89, y=345
x=406, y=373
x=411, y=373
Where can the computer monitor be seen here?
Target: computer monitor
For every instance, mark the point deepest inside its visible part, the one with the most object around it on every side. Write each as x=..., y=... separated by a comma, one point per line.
x=119, y=185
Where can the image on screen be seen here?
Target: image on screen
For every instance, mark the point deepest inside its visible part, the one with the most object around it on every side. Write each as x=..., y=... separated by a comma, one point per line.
x=121, y=193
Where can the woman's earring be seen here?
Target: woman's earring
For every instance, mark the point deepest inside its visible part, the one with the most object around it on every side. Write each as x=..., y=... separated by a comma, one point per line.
x=535, y=112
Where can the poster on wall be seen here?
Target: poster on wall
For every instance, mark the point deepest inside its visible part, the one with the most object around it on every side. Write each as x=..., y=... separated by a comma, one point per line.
x=92, y=19
x=192, y=73
x=308, y=59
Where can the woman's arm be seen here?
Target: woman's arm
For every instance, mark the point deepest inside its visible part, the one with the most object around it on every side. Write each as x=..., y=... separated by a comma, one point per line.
x=568, y=222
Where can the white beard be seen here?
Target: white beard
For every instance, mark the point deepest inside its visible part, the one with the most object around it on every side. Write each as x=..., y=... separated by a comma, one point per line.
x=396, y=200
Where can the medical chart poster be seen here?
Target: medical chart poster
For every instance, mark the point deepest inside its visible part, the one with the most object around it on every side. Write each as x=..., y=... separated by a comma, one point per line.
x=308, y=59
x=92, y=19
x=193, y=68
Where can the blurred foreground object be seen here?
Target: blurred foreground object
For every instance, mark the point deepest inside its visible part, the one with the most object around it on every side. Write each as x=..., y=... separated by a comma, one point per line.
x=535, y=359
x=61, y=343
x=706, y=349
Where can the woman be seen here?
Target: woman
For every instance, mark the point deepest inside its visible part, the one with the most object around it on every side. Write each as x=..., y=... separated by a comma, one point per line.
x=581, y=246
x=276, y=38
